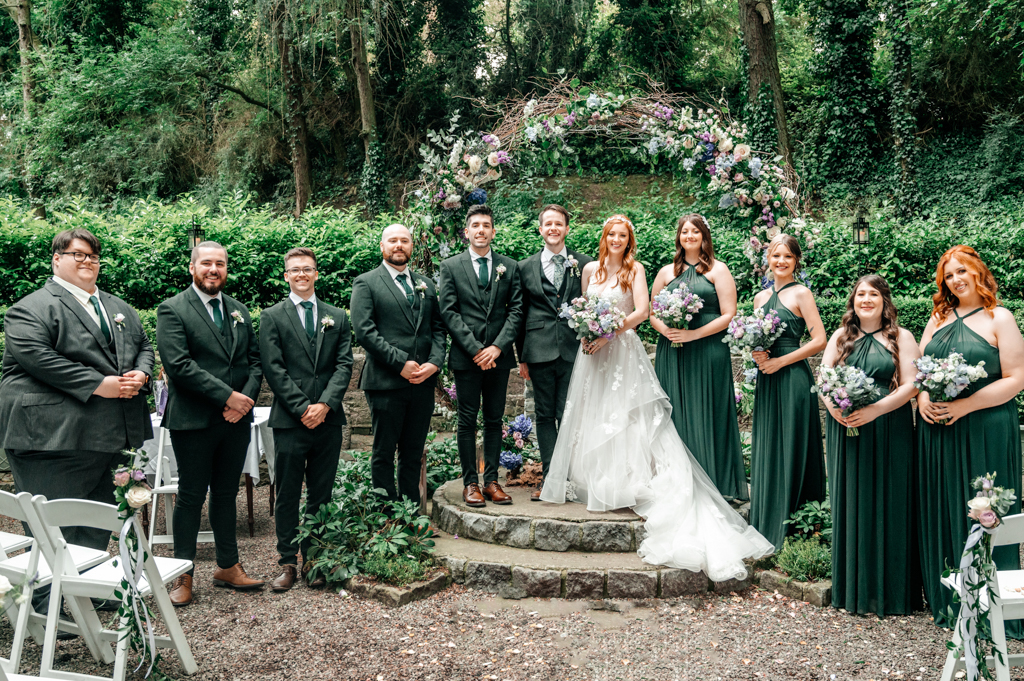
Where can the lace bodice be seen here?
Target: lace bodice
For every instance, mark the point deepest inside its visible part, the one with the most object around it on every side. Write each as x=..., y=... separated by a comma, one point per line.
x=612, y=291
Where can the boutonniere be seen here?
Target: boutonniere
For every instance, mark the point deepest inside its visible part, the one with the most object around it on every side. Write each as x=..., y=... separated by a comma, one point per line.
x=573, y=264
x=326, y=322
x=236, y=316
x=119, y=320
x=498, y=271
x=421, y=288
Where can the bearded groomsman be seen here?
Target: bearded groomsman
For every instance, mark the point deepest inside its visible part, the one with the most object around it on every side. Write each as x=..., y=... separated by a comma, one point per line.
x=481, y=303
x=212, y=362
x=397, y=322
x=75, y=366
x=306, y=348
x=546, y=345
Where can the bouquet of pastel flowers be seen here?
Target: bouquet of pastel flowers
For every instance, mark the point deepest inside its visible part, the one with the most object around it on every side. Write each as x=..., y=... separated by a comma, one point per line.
x=990, y=503
x=593, y=316
x=754, y=333
x=945, y=378
x=515, y=441
x=676, y=308
x=848, y=388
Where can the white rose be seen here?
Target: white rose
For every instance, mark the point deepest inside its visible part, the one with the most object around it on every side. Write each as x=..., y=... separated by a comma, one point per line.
x=787, y=193
x=725, y=146
x=492, y=159
x=975, y=504
x=781, y=222
x=741, y=152
x=5, y=586
x=474, y=164
x=774, y=232
x=138, y=496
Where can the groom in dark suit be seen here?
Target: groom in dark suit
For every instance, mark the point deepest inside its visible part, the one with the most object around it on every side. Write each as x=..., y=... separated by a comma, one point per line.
x=481, y=303
x=75, y=367
x=546, y=345
x=306, y=350
x=212, y=362
x=397, y=322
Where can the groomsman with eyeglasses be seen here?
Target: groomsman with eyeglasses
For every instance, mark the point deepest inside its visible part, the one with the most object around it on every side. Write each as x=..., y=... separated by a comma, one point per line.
x=397, y=321
x=306, y=349
x=212, y=362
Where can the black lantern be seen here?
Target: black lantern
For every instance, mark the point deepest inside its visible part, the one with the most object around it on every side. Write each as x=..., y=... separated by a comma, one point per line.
x=861, y=231
x=196, y=234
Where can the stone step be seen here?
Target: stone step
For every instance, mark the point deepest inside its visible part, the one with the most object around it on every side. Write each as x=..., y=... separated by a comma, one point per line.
x=517, y=573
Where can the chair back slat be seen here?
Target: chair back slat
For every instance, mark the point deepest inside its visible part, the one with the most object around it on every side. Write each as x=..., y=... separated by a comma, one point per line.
x=79, y=513
x=11, y=507
x=1010, y=531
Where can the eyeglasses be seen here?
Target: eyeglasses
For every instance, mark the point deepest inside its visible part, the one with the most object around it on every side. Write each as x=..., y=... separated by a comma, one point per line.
x=308, y=271
x=82, y=257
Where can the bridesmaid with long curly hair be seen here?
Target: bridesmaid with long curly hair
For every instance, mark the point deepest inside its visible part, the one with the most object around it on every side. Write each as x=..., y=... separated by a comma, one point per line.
x=977, y=433
x=875, y=566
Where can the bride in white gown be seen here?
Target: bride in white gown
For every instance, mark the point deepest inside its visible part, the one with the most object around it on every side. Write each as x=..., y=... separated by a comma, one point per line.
x=617, y=446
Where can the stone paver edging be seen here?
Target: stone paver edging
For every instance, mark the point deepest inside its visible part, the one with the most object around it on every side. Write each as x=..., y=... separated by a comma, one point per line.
x=815, y=593
x=397, y=596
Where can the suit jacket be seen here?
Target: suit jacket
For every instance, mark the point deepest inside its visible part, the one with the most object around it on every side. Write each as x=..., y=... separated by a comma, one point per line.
x=391, y=331
x=203, y=365
x=545, y=336
x=302, y=373
x=55, y=357
x=477, y=318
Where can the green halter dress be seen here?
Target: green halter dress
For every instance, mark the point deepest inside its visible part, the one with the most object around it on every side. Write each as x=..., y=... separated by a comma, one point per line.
x=872, y=482
x=787, y=466
x=698, y=381
x=951, y=457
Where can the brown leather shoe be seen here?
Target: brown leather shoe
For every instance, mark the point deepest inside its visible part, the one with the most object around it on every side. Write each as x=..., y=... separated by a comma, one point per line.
x=472, y=496
x=286, y=579
x=496, y=495
x=317, y=582
x=535, y=495
x=181, y=591
x=235, y=578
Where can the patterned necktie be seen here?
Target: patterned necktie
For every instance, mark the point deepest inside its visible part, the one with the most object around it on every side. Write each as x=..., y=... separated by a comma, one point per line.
x=558, y=262
x=402, y=279
x=308, y=307
x=485, y=277
x=218, y=319
x=103, y=320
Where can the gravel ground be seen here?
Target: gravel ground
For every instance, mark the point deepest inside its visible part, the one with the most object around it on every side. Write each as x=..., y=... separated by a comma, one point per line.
x=460, y=634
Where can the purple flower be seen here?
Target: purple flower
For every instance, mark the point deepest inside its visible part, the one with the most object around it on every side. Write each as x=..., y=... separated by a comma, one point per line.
x=138, y=475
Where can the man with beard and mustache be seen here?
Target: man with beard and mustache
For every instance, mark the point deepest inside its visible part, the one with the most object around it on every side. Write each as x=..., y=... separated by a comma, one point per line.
x=212, y=362
x=396, y=320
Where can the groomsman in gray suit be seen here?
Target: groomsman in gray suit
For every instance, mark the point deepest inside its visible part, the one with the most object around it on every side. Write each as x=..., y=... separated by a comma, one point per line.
x=481, y=303
x=212, y=362
x=397, y=322
x=75, y=366
x=546, y=345
x=306, y=349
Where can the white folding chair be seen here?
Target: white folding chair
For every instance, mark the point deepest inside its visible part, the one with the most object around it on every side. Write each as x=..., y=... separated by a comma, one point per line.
x=165, y=486
x=79, y=588
x=4, y=676
x=1008, y=586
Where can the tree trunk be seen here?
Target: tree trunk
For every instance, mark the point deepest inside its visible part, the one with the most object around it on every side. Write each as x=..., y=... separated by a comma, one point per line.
x=27, y=42
x=294, y=114
x=362, y=69
x=757, y=21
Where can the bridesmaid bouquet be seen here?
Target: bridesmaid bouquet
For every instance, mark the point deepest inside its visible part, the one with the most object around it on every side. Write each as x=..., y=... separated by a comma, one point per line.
x=848, y=388
x=944, y=379
x=592, y=316
x=753, y=333
x=677, y=307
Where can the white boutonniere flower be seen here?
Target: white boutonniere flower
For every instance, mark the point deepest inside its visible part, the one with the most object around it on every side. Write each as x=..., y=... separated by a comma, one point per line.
x=237, y=319
x=498, y=271
x=574, y=264
x=326, y=322
x=421, y=288
x=119, y=320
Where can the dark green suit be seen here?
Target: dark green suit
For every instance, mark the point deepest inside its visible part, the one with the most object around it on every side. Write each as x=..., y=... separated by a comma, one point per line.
x=547, y=345
x=478, y=317
x=62, y=441
x=204, y=365
x=393, y=331
x=303, y=371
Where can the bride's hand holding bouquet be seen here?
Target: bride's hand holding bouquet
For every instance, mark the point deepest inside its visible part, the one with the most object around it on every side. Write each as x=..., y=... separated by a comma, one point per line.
x=594, y=318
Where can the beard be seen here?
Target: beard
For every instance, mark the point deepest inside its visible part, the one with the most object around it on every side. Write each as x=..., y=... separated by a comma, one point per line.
x=396, y=257
x=208, y=289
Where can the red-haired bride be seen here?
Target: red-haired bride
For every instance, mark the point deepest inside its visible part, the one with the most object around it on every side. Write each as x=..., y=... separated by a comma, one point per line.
x=617, y=445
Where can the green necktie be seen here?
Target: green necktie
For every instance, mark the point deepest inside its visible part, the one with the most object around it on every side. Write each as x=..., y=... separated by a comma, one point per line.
x=103, y=320
x=308, y=306
x=485, y=279
x=405, y=284
x=558, y=262
x=218, y=319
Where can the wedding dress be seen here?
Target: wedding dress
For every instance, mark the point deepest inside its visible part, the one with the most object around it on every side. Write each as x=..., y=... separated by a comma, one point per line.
x=617, y=447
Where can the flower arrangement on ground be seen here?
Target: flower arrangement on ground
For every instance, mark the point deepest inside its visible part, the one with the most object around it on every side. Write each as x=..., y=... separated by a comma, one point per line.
x=593, y=316
x=516, y=442
x=848, y=388
x=676, y=308
x=945, y=378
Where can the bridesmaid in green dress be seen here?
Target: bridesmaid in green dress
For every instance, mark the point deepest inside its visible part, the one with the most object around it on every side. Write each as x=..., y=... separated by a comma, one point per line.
x=698, y=376
x=787, y=466
x=872, y=476
x=981, y=431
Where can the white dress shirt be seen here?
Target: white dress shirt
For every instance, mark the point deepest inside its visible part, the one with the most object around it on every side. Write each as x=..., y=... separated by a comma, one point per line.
x=206, y=298
x=82, y=296
x=405, y=273
x=297, y=302
x=476, y=263
x=548, y=266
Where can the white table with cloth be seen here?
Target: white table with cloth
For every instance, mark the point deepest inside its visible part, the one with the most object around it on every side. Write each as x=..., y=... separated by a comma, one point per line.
x=261, y=446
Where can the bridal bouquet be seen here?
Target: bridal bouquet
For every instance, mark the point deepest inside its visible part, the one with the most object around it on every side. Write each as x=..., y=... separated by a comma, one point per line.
x=592, y=316
x=944, y=379
x=848, y=388
x=754, y=332
x=677, y=307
